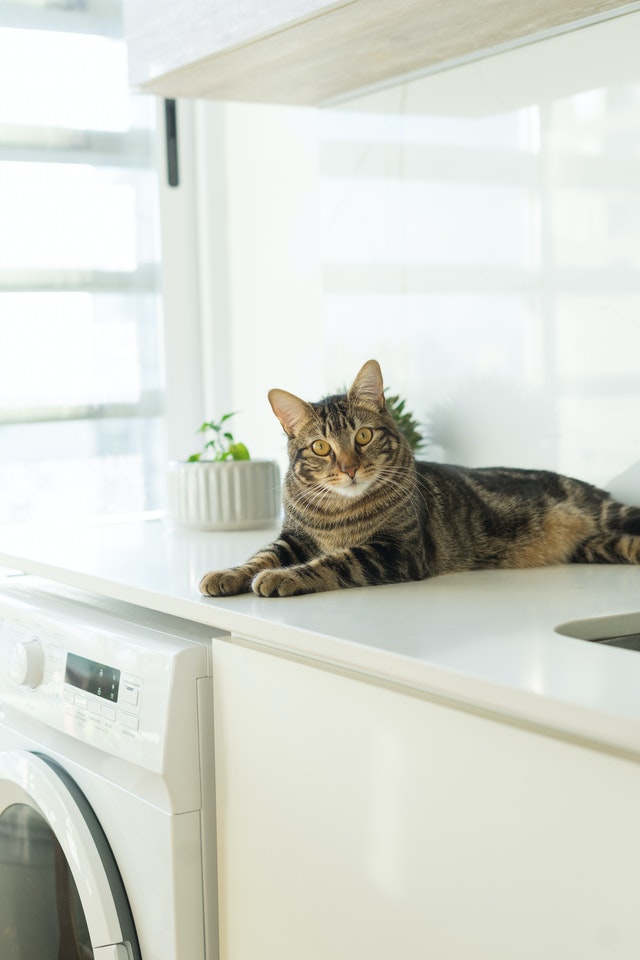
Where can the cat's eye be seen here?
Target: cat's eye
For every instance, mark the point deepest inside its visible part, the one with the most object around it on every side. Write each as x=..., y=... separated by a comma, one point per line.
x=321, y=447
x=364, y=436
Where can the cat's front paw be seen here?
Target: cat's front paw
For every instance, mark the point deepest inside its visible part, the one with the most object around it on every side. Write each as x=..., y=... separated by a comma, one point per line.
x=225, y=583
x=278, y=583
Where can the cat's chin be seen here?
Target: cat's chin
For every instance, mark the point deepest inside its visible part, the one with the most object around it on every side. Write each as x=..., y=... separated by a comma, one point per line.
x=353, y=490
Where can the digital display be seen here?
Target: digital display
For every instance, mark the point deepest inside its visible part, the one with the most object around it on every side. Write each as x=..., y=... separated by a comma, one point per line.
x=92, y=677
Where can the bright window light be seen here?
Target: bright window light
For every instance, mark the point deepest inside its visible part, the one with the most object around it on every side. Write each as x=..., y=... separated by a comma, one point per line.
x=81, y=365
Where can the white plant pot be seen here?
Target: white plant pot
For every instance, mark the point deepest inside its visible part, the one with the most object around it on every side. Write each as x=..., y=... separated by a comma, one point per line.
x=231, y=495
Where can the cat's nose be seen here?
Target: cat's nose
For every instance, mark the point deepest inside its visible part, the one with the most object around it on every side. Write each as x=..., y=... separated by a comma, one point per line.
x=348, y=467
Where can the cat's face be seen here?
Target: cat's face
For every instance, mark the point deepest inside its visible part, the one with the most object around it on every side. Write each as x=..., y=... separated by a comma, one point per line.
x=340, y=450
x=346, y=444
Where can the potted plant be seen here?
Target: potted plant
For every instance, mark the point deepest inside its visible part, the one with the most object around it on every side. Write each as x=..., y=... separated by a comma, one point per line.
x=405, y=421
x=220, y=487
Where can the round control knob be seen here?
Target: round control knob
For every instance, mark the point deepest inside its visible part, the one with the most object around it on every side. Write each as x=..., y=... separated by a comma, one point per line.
x=27, y=664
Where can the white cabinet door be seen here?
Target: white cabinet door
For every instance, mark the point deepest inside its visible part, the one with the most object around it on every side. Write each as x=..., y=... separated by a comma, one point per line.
x=357, y=822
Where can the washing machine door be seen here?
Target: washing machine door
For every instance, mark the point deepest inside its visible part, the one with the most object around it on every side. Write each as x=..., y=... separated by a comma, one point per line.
x=61, y=895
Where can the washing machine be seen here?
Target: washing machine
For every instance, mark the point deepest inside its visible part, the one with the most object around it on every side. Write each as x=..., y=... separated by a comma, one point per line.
x=107, y=812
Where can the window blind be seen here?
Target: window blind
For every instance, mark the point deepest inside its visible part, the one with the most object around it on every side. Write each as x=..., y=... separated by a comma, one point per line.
x=81, y=373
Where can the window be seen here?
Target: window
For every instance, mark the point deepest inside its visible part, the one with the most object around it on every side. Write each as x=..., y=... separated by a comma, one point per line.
x=81, y=371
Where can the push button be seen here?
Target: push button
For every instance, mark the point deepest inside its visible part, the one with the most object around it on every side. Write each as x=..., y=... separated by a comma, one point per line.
x=130, y=690
x=129, y=721
x=129, y=694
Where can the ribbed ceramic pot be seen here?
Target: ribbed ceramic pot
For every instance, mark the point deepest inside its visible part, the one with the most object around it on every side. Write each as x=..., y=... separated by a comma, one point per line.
x=231, y=495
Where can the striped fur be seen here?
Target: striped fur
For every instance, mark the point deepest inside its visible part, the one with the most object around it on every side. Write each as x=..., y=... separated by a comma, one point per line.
x=359, y=510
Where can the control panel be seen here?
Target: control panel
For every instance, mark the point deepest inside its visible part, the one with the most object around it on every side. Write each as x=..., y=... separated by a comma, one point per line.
x=96, y=674
x=85, y=697
x=104, y=691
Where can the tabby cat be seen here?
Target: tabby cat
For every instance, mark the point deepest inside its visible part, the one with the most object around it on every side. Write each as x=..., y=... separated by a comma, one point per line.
x=359, y=510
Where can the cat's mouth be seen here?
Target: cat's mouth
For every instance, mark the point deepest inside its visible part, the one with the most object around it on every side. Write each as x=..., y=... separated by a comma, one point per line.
x=353, y=487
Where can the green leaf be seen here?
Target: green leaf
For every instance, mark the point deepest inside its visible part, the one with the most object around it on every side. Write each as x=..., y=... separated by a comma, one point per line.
x=406, y=422
x=193, y=458
x=239, y=452
x=220, y=445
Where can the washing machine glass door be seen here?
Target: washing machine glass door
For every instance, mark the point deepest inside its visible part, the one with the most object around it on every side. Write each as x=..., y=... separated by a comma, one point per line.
x=61, y=895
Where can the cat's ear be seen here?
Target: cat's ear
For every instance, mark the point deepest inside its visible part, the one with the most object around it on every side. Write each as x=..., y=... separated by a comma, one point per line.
x=290, y=410
x=367, y=389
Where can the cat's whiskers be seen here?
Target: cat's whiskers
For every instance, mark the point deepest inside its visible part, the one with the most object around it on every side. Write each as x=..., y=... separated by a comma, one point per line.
x=314, y=495
x=388, y=477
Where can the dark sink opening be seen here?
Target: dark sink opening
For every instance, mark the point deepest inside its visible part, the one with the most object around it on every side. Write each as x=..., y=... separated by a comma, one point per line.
x=630, y=641
x=619, y=630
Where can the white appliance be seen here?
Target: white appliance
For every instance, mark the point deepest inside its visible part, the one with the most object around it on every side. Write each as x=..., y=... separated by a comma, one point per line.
x=107, y=819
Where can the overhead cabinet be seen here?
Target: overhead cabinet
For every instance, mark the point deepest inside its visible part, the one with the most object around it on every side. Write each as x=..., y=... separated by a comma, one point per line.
x=313, y=51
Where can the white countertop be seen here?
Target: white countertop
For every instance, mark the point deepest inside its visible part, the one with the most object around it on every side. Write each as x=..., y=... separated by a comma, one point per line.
x=484, y=639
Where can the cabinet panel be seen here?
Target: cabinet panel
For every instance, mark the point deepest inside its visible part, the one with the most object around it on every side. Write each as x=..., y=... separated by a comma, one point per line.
x=310, y=51
x=356, y=822
x=163, y=36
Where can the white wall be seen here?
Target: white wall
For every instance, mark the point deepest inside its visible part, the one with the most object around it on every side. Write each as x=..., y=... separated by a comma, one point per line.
x=478, y=231
x=275, y=271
